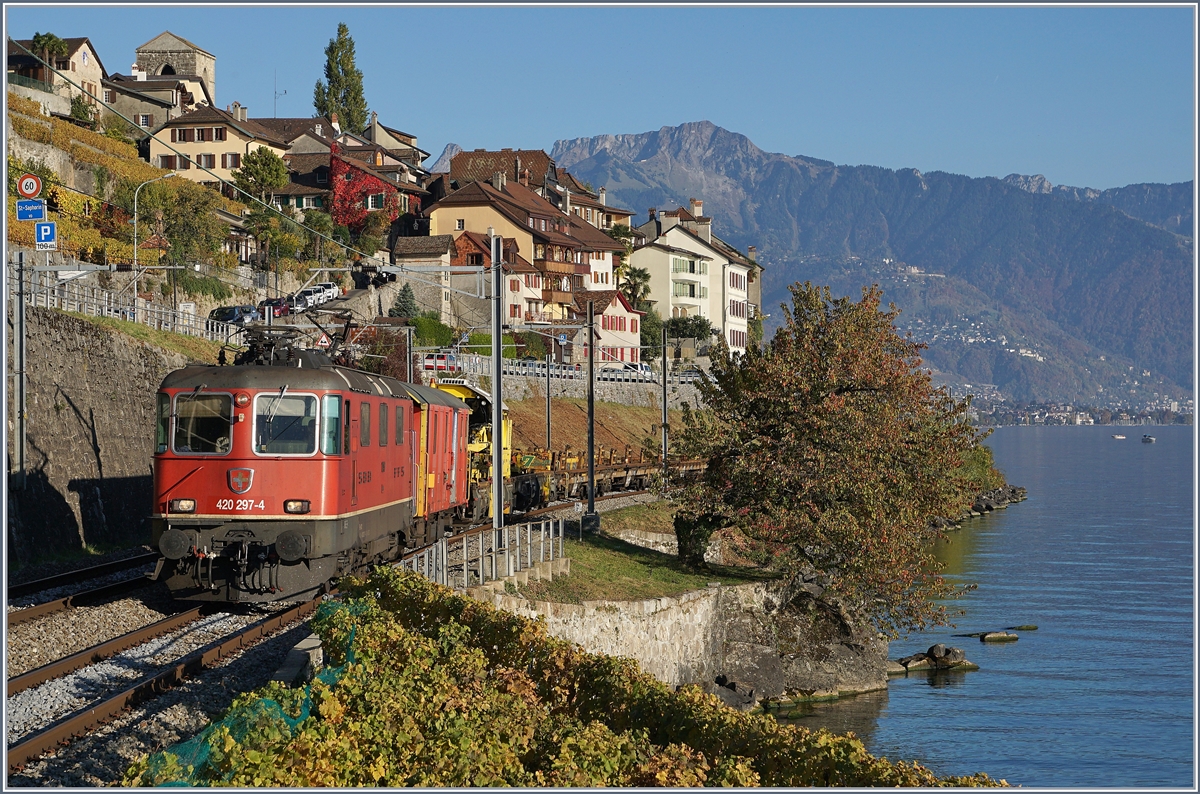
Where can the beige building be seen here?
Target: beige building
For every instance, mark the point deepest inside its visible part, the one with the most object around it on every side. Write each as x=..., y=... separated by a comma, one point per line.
x=695, y=273
x=80, y=66
x=213, y=139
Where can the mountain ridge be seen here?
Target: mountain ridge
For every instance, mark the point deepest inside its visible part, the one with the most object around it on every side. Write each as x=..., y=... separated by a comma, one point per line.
x=1073, y=272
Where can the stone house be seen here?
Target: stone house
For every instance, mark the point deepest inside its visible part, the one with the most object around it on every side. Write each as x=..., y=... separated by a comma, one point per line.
x=426, y=262
x=168, y=55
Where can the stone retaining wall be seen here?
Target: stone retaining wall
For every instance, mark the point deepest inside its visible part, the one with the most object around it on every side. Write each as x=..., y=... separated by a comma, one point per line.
x=90, y=402
x=778, y=639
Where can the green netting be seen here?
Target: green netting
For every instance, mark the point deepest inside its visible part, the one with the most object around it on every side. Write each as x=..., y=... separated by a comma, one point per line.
x=191, y=763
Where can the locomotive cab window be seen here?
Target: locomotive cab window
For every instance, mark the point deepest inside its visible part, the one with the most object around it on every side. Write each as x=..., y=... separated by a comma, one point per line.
x=285, y=424
x=383, y=424
x=164, y=422
x=203, y=424
x=331, y=442
x=364, y=424
x=399, y=424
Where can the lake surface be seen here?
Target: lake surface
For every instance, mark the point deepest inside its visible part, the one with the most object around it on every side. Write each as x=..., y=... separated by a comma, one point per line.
x=1101, y=558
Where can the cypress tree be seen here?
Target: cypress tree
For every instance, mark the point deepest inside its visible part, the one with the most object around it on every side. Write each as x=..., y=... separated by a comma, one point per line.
x=342, y=90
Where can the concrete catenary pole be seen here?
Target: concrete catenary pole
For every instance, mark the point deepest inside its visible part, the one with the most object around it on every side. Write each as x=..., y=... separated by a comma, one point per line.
x=591, y=519
x=664, y=407
x=497, y=380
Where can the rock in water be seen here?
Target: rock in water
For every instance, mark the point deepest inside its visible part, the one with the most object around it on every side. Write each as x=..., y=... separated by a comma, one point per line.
x=937, y=651
x=998, y=636
x=1022, y=628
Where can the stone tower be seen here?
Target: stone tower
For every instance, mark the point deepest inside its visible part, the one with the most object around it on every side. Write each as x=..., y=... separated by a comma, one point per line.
x=168, y=54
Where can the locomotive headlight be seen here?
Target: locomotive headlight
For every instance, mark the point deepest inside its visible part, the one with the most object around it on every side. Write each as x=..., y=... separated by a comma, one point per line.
x=297, y=506
x=242, y=400
x=182, y=506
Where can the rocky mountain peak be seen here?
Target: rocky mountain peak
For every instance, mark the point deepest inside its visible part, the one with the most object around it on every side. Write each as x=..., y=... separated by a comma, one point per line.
x=442, y=164
x=1031, y=184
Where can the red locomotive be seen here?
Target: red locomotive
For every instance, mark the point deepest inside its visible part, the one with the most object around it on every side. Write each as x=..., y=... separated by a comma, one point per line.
x=280, y=473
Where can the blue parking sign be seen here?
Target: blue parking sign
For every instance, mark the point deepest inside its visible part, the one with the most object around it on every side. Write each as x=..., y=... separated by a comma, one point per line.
x=562, y=339
x=45, y=235
x=31, y=210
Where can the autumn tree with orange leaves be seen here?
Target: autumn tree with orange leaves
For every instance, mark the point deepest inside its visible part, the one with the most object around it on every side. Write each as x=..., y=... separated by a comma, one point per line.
x=830, y=450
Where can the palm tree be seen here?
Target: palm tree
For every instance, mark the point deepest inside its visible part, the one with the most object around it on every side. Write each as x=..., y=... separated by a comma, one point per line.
x=48, y=45
x=636, y=286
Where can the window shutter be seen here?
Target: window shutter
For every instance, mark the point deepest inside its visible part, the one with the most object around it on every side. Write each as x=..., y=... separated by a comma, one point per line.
x=224, y=160
x=174, y=132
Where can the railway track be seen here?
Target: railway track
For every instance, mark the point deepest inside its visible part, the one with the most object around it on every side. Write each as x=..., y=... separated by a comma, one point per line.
x=81, y=598
x=81, y=575
x=84, y=720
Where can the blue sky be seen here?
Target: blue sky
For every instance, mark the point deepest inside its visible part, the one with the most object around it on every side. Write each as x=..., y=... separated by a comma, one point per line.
x=1097, y=97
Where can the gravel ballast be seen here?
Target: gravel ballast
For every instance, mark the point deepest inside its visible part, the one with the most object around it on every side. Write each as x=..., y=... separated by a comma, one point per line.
x=101, y=758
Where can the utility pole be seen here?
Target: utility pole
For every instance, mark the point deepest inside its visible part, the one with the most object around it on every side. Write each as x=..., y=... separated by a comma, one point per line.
x=408, y=354
x=497, y=381
x=549, y=358
x=591, y=519
x=664, y=407
x=19, y=316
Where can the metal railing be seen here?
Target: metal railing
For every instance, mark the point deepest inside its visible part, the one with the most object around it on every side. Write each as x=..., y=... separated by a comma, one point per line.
x=29, y=82
x=471, y=364
x=489, y=554
x=99, y=302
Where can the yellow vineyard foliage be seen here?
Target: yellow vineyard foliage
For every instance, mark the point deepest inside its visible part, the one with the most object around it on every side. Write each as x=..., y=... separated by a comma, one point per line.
x=442, y=690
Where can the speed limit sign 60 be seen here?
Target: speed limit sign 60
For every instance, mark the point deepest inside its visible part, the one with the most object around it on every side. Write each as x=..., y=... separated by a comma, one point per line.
x=29, y=186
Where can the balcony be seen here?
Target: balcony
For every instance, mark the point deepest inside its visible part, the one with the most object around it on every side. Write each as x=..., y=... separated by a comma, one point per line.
x=29, y=82
x=556, y=296
x=550, y=266
x=538, y=318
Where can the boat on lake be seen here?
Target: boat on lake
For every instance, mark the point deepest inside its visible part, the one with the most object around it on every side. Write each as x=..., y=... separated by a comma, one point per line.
x=1148, y=439
x=1118, y=436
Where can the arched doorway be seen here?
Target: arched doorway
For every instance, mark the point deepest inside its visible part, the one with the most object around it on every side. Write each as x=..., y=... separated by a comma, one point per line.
x=167, y=69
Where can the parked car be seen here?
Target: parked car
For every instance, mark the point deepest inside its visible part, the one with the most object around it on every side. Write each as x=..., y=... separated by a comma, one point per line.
x=441, y=362
x=628, y=371
x=331, y=290
x=314, y=295
x=279, y=307
x=235, y=315
x=297, y=303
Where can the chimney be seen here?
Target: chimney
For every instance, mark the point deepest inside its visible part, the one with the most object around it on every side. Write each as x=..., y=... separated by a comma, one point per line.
x=524, y=176
x=319, y=130
x=602, y=197
x=752, y=254
x=498, y=180
x=517, y=173
x=653, y=213
x=333, y=122
x=566, y=206
x=137, y=72
x=697, y=207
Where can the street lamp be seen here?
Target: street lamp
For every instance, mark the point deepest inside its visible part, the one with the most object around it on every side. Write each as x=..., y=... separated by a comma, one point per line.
x=136, y=275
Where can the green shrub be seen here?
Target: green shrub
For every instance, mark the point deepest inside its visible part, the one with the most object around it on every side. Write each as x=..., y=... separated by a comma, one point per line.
x=436, y=689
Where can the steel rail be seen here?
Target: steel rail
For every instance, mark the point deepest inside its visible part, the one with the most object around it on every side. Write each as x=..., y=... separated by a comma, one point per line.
x=100, y=652
x=83, y=574
x=85, y=720
x=76, y=599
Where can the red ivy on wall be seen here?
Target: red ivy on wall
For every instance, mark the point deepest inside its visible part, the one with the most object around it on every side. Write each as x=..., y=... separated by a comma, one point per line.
x=352, y=189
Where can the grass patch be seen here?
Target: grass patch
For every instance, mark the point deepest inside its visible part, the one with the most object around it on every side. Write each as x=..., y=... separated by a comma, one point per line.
x=608, y=569
x=652, y=517
x=195, y=348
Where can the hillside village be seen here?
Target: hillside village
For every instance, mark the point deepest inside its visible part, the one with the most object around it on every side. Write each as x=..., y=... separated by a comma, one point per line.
x=360, y=201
